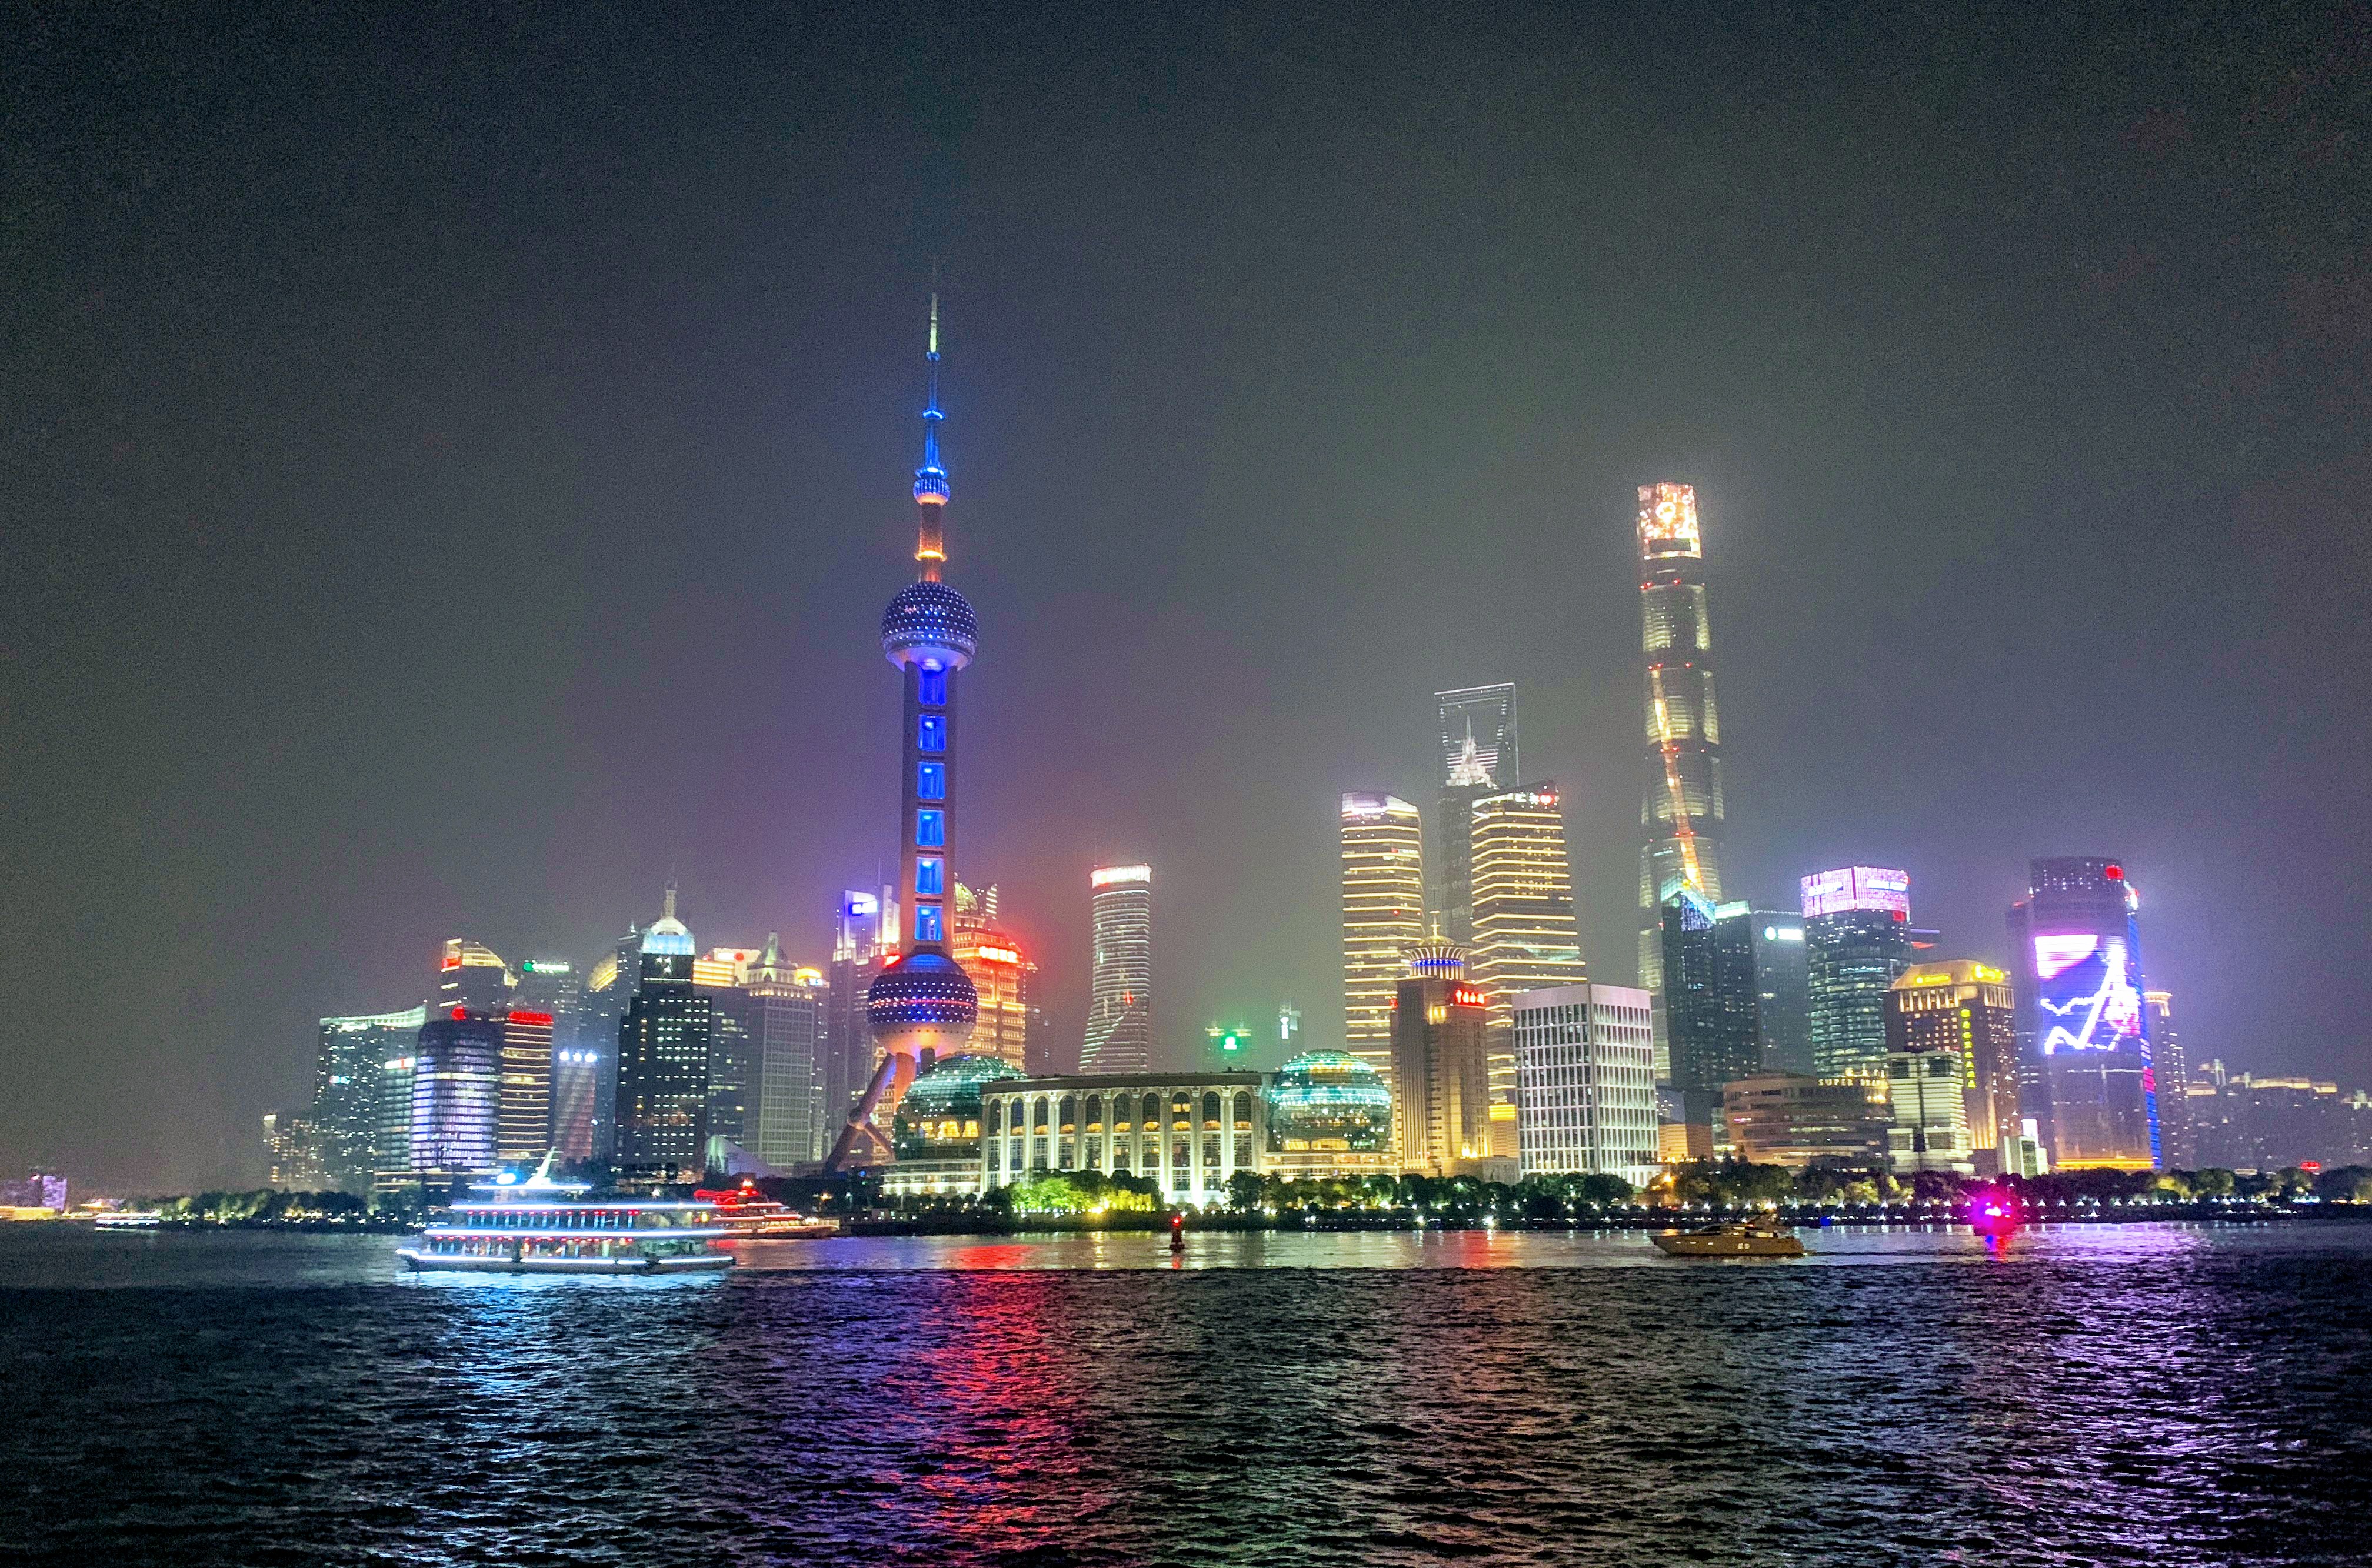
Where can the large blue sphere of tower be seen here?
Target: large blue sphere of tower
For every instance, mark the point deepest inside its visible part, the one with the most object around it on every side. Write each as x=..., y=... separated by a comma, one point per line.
x=924, y=1001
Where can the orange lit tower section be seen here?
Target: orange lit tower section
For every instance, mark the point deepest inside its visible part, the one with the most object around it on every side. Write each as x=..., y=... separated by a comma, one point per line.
x=922, y=1005
x=1680, y=810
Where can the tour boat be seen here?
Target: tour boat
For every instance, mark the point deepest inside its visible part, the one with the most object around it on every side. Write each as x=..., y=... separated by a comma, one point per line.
x=752, y=1216
x=542, y=1226
x=1753, y=1238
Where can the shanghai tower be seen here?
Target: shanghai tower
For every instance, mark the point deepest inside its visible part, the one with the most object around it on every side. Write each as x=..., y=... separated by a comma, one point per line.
x=922, y=1005
x=1681, y=809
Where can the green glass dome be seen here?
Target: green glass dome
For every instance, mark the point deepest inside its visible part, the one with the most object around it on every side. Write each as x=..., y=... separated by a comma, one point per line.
x=1329, y=1100
x=940, y=1114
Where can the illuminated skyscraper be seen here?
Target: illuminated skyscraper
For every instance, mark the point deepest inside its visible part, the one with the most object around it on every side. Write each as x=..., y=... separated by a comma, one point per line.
x=788, y=1015
x=2083, y=1033
x=1709, y=1002
x=552, y=985
x=472, y=975
x=1586, y=1054
x=1783, y=1004
x=865, y=937
x=1682, y=806
x=1440, y=1059
x=456, y=1095
x=2171, y=1080
x=1479, y=757
x=523, y=1120
x=347, y=1073
x=609, y=989
x=457, y=1080
x=1120, y=999
x=1526, y=938
x=721, y=975
x=921, y=1003
x=1964, y=1007
x=1000, y=974
x=663, y=1049
x=1383, y=916
x=1857, y=940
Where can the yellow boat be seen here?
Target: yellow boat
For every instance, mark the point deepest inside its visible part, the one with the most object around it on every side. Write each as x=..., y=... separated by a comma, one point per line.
x=1752, y=1238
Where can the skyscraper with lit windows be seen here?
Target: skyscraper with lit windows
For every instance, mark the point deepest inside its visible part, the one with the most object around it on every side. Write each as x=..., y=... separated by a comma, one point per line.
x=663, y=1047
x=1120, y=981
x=1000, y=971
x=1479, y=757
x=1681, y=810
x=1526, y=938
x=2082, y=1027
x=1857, y=941
x=1383, y=916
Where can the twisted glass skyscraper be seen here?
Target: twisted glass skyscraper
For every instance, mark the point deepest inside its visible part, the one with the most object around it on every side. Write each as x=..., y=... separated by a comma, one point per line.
x=1682, y=808
x=1120, y=1007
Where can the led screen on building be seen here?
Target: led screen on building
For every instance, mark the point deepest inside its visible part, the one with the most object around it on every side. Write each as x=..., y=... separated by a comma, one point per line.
x=2088, y=993
x=1667, y=520
x=1858, y=887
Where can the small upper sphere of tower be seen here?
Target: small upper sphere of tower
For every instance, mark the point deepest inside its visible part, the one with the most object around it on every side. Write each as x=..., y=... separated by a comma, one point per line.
x=929, y=624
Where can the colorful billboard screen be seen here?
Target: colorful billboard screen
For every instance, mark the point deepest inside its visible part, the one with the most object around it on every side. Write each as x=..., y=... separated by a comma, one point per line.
x=2088, y=993
x=1858, y=887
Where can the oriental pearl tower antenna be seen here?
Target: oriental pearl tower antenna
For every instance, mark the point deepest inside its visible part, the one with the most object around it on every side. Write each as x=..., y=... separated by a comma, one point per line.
x=921, y=1006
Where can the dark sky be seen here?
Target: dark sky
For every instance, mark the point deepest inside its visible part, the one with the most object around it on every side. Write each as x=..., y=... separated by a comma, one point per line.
x=453, y=465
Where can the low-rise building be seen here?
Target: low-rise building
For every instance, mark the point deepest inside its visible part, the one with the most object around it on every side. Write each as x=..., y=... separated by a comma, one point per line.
x=1191, y=1132
x=1792, y=1119
x=1928, y=1106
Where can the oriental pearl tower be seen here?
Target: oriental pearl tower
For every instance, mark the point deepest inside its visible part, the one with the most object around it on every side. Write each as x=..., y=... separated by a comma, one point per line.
x=921, y=1006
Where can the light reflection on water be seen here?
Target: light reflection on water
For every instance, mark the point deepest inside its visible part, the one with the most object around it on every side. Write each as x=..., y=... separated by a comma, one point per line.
x=2183, y=1395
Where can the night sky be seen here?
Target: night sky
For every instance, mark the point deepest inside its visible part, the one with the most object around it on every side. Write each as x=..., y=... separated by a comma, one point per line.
x=453, y=465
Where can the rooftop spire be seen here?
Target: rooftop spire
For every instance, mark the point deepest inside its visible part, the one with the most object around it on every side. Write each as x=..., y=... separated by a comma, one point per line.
x=931, y=479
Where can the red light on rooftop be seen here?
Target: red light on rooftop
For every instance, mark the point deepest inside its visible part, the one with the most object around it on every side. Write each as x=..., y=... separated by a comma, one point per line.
x=461, y=1012
x=2114, y=873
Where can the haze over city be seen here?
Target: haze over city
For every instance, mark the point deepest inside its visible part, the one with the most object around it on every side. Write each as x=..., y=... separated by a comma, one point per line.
x=453, y=471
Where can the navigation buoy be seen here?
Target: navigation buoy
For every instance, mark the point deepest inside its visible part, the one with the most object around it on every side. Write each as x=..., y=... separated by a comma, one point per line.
x=1177, y=1233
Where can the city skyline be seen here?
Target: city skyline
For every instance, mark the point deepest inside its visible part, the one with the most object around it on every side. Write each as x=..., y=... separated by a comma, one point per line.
x=346, y=623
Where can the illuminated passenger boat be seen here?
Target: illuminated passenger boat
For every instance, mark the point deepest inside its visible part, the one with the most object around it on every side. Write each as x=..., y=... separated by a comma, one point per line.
x=542, y=1226
x=752, y=1215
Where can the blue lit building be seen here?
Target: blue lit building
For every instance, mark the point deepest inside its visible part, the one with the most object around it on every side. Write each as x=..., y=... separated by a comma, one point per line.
x=922, y=1005
x=2083, y=1031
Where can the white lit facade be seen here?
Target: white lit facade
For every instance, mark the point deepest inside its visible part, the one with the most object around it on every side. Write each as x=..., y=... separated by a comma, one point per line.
x=1191, y=1132
x=1586, y=1081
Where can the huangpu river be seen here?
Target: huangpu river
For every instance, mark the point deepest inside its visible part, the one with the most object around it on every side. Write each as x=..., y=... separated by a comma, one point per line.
x=2146, y=1394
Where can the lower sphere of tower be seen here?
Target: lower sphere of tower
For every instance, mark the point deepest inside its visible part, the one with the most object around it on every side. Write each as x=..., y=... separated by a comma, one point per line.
x=922, y=1000
x=930, y=624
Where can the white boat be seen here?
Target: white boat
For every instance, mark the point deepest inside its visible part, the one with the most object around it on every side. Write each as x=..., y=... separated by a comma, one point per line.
x=542, y=1226
x=1753, y=1238
x=127, y=1219
x=754, y=1217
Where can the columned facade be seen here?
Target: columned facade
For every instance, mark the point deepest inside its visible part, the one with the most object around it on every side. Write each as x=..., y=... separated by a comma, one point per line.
x=1191, y=1132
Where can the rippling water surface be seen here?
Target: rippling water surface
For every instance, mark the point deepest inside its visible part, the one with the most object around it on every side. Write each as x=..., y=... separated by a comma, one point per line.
x=2160, y=1394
